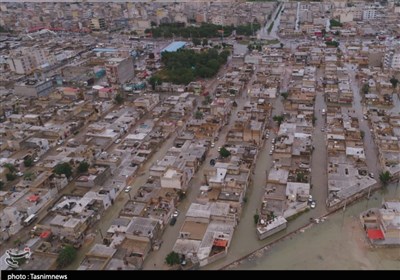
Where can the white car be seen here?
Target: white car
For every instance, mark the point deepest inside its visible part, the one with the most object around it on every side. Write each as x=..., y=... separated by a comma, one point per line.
x=176, y=213
x=19, y=174
x=128, y=189
x=371, y=175
x=118, y=141
x=212, y=145
x=313, y=204
x=270, y=152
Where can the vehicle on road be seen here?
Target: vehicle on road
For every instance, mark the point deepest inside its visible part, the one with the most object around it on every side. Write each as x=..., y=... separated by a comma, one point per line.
x=310, y=199
x=173, y=221
x=212, y=145
x=313, y=204
x=128, y=189
x=118, y=141
x=371, y=175
x=176, y=213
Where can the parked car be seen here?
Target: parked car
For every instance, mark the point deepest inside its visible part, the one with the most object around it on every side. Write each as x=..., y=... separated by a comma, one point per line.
x=173, y=221
x=176, y=213
x=313, y=204
x=118, y=141
x=128, y=189
x=371, y=175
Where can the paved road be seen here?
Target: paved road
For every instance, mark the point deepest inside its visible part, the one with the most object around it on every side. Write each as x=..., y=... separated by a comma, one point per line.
x=371, y=151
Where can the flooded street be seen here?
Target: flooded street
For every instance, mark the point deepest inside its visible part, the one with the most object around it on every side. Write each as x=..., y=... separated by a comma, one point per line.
x=337, y=243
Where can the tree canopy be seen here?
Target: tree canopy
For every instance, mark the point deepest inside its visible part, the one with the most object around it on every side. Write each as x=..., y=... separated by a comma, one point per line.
x=172, y=258
x=83, y=167
x=224, y=152
x=385, y=177
x=278, y=118
x=28, y=162
x=394, y=82
x=66, y=256
x=184, y=66
x=63, y=168
x=205, y=30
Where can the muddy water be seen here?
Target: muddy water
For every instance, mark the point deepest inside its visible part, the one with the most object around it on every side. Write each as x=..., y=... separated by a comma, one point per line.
x=337, y=243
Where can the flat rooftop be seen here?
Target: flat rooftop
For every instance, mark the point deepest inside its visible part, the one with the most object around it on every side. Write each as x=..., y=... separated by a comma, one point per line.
x=195, y=230
x=174, y=46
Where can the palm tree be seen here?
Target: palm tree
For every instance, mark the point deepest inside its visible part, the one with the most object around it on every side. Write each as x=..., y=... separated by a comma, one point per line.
x=385, y=177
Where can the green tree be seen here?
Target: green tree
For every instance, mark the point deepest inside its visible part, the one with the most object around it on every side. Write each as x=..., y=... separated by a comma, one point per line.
x=394, y=82
x=256, y=217
x=172, y=258
x=155, y=81
x=10, y=167
x=207, y=100
x=232, y=91
x=119, y=99
x=11, y=177
x=385, y=177
x=278, y=118
x=335, y=23
x=365, y=88
x=196, y=41
x=300, y=177
x=66, y=256
x=362, y=134
x=63, y=168
x=224, y=152
x=285, y=95
x=205, y=42
x=83, y=167
x=28, y=176
x=314, y=119
x=1, y=184
x=198, y=115
x=28, y=162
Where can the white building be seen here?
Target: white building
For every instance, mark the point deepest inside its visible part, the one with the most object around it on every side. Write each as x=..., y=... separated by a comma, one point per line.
x=369, y=14
x=396, y=61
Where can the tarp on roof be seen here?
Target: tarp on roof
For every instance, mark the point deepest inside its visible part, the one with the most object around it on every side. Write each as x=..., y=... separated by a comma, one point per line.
x=375, y=234
x=220, y=243
x=33, y=198
x=45, y=234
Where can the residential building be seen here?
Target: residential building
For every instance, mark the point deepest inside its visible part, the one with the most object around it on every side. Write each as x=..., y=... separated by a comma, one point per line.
x=34, y=88
x=119, y=70
x=97, y=24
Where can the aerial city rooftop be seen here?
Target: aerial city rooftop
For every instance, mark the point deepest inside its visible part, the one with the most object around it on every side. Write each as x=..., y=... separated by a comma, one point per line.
x=163, y=135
